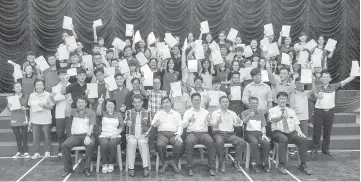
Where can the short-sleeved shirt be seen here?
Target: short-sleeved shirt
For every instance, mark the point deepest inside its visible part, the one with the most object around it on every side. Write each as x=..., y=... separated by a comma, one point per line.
x=229, y=119
x=82, y=121
x=256, y=122
x=60, y=105
x=328, y=94
x=292, y=119
x=200, y=124
x=18, y=117
x=111, y=123
x=169, y=121
x=40, y=117
x=154, y=100
x=289, y=88
x=262, y=91
x=207, y=80
x=119, y=96
x=301, y=104
x=28, y=84
x=50, y=78
x=76, y=90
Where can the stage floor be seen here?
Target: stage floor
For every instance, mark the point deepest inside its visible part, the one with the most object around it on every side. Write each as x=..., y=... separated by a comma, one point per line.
x=342, y=166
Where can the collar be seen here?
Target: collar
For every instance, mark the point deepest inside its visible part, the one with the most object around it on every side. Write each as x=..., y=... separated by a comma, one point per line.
x=85, y=110
x=257, y=84
x=278, y=107
x=40, y=94
x=170, y=112
x=220, y=111
x=288, y=83
x=193, y=109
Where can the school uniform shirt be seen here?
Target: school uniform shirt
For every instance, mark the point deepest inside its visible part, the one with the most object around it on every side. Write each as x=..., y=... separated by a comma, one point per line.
x=201, y=120
x=292, y=119
x=40, y=117
x=82, y=121
x=301, y=104
x=119, y=96
x=128, y=79
x=154, y=100
x=101, y=91
x=223, y=76
x=169, y=78
x=60, y=105
x=76, y=90
x=288, y=87
x=140, y=121
x=50, y=78
x=328, y=95
x=229, y=120
x=18, y=117
x=256, y=122
x=28, y=84
x=169, y=121
x=262, y=91
x=207, y=80
x=181, y=103
x=111, y=123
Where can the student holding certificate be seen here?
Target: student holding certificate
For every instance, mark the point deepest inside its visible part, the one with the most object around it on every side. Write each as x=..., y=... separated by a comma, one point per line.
x=19, y=122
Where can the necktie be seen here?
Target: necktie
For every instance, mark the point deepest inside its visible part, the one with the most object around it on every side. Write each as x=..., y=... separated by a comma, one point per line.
x=138, y=122
x=285, y=123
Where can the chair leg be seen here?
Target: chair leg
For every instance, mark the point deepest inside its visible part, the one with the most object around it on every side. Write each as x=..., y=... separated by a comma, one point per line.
x=126, y=163
x=226, y=154
x=202, y=154
x=76, y=156
x=180, y=164
x=98, y=160
x=91, y=166
x=120, y=161
x=287, y=153
x=298, y=154
x=149, y=164
x=157, y=162
x=217, y=162
x=248, y=155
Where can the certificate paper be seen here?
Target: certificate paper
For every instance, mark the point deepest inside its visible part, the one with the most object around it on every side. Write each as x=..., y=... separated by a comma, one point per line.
x=193, y=66
x=176, y=89
x=97, y=23
x=268, y=28
x=93, y=90
x=148, y=75
x=306, y=76
x=236, y=93
x=15, y=102
x=129, y=29
x=110, y=80
x=41, y=62
x=286, y=30
x=204, y=27
x=123, y=66
x=232, y=34
x=67, y=23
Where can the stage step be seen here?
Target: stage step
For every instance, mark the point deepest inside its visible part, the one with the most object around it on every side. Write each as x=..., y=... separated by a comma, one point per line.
x=345, y=117
x=344, y=142
x=7, y=135
x=341, y=129
x=10, y=148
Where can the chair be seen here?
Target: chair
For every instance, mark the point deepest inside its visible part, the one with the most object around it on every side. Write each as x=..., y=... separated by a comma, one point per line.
x=248, y=156
x=226, y=149
x=126, y=163
x=157, y=160
x=119, y=158
x=275, y=155
x=77, y=149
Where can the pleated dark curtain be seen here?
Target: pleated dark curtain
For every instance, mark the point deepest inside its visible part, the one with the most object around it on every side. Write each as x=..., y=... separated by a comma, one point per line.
x=37, y=24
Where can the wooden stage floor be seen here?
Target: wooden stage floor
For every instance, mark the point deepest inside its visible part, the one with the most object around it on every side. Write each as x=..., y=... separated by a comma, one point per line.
x=342, y=166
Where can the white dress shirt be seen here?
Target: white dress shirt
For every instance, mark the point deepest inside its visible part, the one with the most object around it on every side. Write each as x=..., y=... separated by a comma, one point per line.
x=229, y=119
x=292, y=119
x=169, y=121
x=201, y=120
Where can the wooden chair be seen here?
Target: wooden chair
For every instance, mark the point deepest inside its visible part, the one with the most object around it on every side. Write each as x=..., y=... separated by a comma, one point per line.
x=248, y=156
x=77, y=149
x=119, y=158
x=275, y=155
x=226, y=149
x=157, y=160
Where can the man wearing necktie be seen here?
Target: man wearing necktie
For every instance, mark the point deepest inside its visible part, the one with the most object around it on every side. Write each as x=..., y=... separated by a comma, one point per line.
x=285, y=129
x=138, y=123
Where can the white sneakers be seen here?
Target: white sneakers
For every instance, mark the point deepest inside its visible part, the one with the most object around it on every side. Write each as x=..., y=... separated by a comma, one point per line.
x=47, y=154
x=35, y=156
x=107, y=168
x=26, y=155
x=18, y=154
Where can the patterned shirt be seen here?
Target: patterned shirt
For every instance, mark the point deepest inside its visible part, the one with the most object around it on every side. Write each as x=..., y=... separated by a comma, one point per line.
x=154, y=100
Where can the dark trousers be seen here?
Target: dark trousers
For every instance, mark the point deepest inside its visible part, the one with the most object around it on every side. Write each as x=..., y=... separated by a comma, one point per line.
x=203, y=138
x=53, y=120
x=108, y=149
x=254, y=138
x=228, y=137
x=304, y=127
x=37, y=129
x=152, y=138
x=74, y=141
x=236, y=106
x=163, y=139
x=21, y=136
x=62, y=130
x=284, y=138
x=323, y=122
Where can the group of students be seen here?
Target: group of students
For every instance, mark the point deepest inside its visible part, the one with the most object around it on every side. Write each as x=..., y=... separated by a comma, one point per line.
x=150, y=117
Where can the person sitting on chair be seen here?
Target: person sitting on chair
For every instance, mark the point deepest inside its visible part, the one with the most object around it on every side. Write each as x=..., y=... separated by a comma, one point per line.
x=222, y=121
x=196, y=120
x=285, y=128
x=169, y=124
x=138, y=123
x=81, y=134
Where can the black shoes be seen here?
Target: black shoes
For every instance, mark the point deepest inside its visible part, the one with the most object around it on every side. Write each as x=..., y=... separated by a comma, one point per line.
x=212, y=172
x=190, y=172
x=87, y=172
x=146, y=172
x=281, y=169
x=236, y=165
x=175, y=167
x=66, y=173
x=314, y=152
x=163, y=168
x=222, y=167
x=131, y=172
x=303, y=168
x=266, y=168
x=255, y=168
x=327, y=153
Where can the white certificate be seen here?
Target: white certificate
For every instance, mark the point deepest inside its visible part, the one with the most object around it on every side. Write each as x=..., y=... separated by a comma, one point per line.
x=255, y=64
x=71, y=72
x=163, y=50
x=264, y=43
x=193, y=66
x=236, y=93
x=306, y=76
x=88, y=61
x=170, y=40
x=264, y=75
x=286, y=30
x=93, y=90
x=232, y=34
x=204, y=27
x=273, y=50
x=317, y=57
x=141, y=58
x=67, y=23
x=303, y=57
x=148, y=75
x=286, y=59
x=331, y=45
x=97, y=23
x=355, y=69
x=41, y=62
x=176, y=89
x=248, y=51
x=214, y=46
x=15, y=102
x=137, y=37
x=118, y=43
x=110, y=80
x=217, y=57
x=129, y=29
x=63, y=52
x=17, y=72
x=123, y=66
x=109, y=71
x=268, y=28
x=71, y=42
x=151, y=38
x=311, y=45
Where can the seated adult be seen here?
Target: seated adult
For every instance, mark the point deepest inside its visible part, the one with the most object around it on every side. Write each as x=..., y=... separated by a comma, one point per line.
x=285, y=128
x=222, y=121
x=169, y=124
x=112, y=125
x=196, y=121
x=81, y=134
x=138, y=122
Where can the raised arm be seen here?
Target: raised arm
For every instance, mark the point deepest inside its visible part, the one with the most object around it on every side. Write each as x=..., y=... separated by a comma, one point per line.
x=95, y=34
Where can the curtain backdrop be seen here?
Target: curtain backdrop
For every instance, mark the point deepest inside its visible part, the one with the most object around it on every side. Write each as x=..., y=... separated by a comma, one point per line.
x=37, y=24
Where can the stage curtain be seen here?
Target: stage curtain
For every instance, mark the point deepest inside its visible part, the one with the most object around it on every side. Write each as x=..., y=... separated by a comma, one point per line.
x=37, y=24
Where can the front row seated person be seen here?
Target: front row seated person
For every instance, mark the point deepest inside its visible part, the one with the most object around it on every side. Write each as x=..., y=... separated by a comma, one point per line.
x=285, y=129
x=222, y=121
x=138, y=123
x=81, y=134
x=196, y=120
x=169, y=124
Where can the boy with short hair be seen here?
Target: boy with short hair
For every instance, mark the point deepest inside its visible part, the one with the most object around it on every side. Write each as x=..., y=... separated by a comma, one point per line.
x=212, y=97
